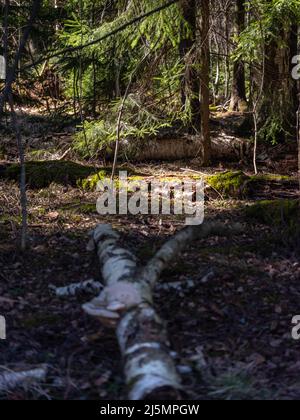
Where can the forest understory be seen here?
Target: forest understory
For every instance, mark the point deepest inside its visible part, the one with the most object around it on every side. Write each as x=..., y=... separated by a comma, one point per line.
x=198, y=102
x=227, y=302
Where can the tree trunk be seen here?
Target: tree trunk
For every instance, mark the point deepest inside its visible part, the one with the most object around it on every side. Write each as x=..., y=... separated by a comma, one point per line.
x=204, y=83
x=11, y=76
x=190, y=87
x=278, y=108
x=3, y=71
x=5, y=33
x=238, y=95
x=293, y=51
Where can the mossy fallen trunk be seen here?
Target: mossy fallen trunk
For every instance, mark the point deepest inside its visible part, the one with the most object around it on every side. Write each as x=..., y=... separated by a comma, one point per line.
x=238, y=185
x=40, y=174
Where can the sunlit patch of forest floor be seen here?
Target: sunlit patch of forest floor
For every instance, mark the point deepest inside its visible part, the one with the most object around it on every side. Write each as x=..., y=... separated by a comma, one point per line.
x=229, y=311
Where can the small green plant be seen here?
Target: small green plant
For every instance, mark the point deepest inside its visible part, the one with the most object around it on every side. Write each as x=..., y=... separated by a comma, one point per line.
x=137, y=124
x=235, y=386
x=90, y=183
x=273, y=129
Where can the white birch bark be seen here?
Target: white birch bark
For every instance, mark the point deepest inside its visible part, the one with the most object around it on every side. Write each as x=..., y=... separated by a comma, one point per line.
x=88, y=286
x=11, y=380
x=126, y=304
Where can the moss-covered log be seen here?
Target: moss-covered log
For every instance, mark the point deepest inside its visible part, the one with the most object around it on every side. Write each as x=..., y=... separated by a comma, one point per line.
x=40, y=174
x=236, y=184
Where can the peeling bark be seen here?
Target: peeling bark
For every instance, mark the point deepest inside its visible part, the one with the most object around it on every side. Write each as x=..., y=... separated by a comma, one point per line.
x=94, y=287
x=126, y=303
x=88, y=286
x=11, y=380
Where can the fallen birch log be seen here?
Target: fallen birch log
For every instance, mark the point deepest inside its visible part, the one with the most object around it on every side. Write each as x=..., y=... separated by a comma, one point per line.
x=94, y=287
x=126, y=303
x=88, y=286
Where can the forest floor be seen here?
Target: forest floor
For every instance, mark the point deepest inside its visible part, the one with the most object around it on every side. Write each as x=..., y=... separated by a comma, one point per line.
x=229, y=318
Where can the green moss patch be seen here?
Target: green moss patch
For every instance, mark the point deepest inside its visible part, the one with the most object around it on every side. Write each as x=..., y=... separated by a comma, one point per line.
x=271, y=177
x=90, y=183
x=239, y=185
x=275, y=212
x=230, y=184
